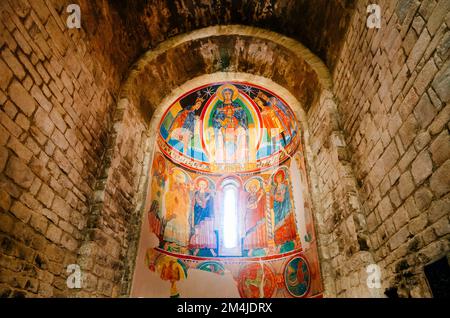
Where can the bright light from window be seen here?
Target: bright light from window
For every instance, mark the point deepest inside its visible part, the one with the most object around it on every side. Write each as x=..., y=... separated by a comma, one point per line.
x=230, y=221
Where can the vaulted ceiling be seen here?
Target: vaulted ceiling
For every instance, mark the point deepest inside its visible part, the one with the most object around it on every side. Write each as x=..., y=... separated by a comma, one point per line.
x=126, y=29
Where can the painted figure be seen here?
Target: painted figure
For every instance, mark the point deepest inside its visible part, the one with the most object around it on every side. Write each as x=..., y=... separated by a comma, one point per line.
x=297, y=277
x=274, y=116
x=256, y=280
x=230, y=127
x=183, y=125
x=177, y=206
x=157, y=189
x=203, y=218
x=284, y=223
x=255, y=222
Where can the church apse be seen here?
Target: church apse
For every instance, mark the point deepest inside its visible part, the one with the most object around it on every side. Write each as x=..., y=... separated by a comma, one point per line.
x=228, y=204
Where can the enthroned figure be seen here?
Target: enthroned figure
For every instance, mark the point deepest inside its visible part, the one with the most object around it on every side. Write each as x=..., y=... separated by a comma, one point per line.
x=230, y=127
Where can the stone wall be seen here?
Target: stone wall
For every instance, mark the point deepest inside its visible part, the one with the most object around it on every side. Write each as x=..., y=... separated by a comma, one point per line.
x=318, y=24
x=114, y=223
x=57, y=93
x=73, y=156
x=392, y=90
x=341, y=225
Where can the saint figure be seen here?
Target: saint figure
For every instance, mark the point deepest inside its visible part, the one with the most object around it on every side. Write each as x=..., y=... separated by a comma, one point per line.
x=255, y=222
x=204, y=236
x=284, y=222
x=183, y=125
x=177, y=204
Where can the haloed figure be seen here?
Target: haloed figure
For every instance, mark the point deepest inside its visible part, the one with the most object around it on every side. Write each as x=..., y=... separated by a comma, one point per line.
x=183, y=125
x=230, y=127
x=284, y=223
x=177, y=201
x=255, y=223
x=279, y=126
x=204, y=236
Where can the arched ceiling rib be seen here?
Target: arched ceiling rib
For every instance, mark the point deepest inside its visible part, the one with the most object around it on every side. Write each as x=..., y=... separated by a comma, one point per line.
x=124, y=30
x=226, y=49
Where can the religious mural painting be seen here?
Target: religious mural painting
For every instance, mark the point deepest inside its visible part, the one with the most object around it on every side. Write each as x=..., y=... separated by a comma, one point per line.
x=297, y=276
x=235, y=127
x=256, y=280
x=255, y=230
x=228, y=194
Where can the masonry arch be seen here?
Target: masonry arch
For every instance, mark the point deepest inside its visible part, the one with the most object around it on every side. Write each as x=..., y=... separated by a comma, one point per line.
x=219, y=53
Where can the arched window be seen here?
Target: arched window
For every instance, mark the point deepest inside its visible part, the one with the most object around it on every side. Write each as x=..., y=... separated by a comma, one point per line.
x=230, y=243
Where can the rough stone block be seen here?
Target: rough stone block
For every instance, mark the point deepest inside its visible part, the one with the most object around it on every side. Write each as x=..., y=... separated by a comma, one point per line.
x=422, y=167
x=439, y=208
x=440, y=148
x=59, y=140
x=422, y=198
x=53, y=233
x=408, y=131
x=405, y=185
x=46, y=195
x=21, y=211
x=399, y=238
x=425, y=111
x=36, y=92
x=418, y=50
x=20, y=150
x=21, y=98
x=400, y=218
x=441, y=82
x=43, y=122
x=425, y=77
x=440, y=180
x=416, y=225
x=6, y=75
x=442, y=227
x=17, y=170
x=438, y=15
x=39, y=223
x=13, y=63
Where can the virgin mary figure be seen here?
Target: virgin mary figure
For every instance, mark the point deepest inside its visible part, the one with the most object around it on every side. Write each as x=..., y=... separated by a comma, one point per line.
x=230, y=127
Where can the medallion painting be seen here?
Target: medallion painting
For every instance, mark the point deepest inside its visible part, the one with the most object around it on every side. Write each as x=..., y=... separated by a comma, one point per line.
x=228, y=198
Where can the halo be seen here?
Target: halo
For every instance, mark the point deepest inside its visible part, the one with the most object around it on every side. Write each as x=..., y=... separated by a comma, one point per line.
x=252, y=182
x=176, y=172
x=159, y=162
x=229, y=86
x=281, y=171
x=197, y=182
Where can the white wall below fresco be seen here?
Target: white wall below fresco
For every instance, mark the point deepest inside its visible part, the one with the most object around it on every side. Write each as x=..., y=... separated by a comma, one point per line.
x=201, y=284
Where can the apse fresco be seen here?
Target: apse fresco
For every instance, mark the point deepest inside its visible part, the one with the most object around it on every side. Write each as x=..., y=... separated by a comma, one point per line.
x=216, y=207
x=236, y=127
